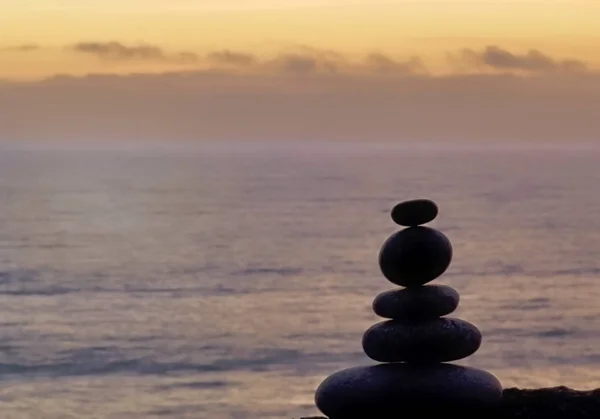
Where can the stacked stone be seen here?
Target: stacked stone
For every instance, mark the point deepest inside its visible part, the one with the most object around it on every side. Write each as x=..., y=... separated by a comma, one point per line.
x=416, y=343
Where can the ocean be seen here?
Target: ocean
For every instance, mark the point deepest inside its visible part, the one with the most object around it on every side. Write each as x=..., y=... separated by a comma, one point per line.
x=227, y=281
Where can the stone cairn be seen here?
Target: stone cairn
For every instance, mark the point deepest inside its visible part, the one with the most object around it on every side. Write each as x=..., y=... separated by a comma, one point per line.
x=415, y=346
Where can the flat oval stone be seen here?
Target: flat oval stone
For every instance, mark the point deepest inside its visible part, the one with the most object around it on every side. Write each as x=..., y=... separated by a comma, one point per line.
x=415, y=212
x=400, y=390
x=418, y=303
x=415, y=256
x=437, y=340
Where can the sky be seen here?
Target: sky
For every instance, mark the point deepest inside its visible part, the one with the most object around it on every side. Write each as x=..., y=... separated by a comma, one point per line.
x=306, y=69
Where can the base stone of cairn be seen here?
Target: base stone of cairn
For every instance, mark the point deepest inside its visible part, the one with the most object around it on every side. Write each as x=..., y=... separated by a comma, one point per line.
x=415, y=345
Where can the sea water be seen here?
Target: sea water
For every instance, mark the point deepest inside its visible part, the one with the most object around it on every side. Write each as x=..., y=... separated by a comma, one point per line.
x=228, y=281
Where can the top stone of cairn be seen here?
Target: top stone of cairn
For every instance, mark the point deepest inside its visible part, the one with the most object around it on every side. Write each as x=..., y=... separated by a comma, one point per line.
x=415, y=212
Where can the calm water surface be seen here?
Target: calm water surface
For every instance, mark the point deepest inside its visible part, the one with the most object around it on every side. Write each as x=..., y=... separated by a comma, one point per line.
x=227, y=283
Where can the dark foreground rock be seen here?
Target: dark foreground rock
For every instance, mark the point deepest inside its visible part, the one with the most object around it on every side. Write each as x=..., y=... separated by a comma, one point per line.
x=545, y=403
x=390, y=390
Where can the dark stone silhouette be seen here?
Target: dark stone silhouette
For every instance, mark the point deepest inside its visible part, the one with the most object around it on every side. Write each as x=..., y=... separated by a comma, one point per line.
x=415, y=256
x=414, y=213
x=543, y=403
x=417, y=342
x=394, y=390
x=427, y=302
x=428, y=341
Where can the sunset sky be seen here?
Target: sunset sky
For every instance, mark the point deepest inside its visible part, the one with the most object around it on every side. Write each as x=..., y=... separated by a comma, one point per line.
x=343, y=50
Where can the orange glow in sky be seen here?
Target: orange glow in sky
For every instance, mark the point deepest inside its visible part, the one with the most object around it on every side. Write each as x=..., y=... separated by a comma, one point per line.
x=403, y=28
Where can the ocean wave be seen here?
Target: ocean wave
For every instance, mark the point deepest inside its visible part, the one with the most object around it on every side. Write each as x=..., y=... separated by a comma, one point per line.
x=531, y=304
x=98, y=361
x=49, y=291
x=282, y=271
x=40, y=291
x=514, y=270
x=19, y=276
x=556, y=333
x=551, y=332
x=177, y=411
x=197, y=385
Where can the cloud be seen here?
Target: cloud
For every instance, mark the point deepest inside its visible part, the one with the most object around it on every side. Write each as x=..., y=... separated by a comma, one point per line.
x=300, y=60
x=383, y=64
x=231, y=58
x=301, y=64
x=21, y=48
x=307, y=61
x=118, y=51
x=532, y=61
x=303, y=60
x=305, y=93
x=212, y=105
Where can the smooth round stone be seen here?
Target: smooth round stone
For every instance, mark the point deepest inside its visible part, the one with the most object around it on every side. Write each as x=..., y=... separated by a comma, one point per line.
x=418, y=303
x=401, y=390
x=415, y=212
x=437, y=340
x=415, y=256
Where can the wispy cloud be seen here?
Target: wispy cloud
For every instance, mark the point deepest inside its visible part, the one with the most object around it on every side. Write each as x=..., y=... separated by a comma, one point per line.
x=117, y=51
x=312, y=61
x=304, y=60
x=300, y=60
x=383, y=64
x=229, y=57
x=20, y=48
x=533, y=60
x=307, y=61
x=295, y=63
